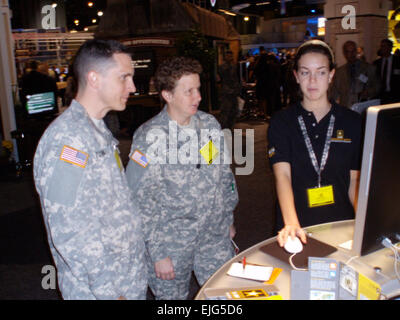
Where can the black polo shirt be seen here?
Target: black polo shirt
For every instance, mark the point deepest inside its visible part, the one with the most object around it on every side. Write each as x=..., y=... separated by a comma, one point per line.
x=286, y=144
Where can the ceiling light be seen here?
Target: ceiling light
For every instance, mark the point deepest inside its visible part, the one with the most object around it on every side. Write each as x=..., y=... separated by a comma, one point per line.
x=246, y=18
x=227, y=12
x=94, y=20
x=100, y=13
x=90, y=4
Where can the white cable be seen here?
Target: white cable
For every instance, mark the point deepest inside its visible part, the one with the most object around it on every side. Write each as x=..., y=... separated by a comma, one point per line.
x=396, y=260
x=388, y=244
x=292, y=264
x=352, y=258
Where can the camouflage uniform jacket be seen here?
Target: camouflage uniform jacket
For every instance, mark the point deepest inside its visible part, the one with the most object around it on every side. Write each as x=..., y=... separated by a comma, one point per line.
x=181, y=202
x=93, y=228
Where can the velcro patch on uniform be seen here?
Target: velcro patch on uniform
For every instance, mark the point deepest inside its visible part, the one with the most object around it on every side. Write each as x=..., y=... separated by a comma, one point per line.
x=74, y=156
x=140, y=158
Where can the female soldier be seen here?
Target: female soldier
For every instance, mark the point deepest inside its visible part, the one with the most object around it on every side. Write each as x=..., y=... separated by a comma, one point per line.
x=314, y=149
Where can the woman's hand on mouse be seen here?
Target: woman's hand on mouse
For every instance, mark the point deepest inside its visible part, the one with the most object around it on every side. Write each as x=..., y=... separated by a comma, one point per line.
x=291, y=231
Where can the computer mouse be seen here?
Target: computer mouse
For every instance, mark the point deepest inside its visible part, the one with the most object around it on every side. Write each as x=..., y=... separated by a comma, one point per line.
x=293, y=245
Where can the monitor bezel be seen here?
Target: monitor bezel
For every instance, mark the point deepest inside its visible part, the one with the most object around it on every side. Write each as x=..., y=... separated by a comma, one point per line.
x=365, y=174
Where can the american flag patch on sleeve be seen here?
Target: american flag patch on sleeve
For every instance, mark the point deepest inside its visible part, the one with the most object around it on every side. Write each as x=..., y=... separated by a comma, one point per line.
x=140, y=158
x=74, y=156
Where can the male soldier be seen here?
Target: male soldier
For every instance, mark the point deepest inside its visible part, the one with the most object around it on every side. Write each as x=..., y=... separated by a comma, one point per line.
x=186, y=203
x=93, y=229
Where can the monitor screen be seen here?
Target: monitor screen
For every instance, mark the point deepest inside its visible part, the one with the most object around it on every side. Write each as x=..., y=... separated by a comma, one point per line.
x=40, y=103
x=378, y=212
x=143, y=63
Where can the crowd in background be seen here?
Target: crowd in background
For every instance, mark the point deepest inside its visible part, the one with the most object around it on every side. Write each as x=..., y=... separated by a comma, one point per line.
x=356, y=81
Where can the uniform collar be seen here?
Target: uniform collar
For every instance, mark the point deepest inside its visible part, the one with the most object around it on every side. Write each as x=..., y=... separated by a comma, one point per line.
x=194, y=120
x=102, y=136
x=335, y=110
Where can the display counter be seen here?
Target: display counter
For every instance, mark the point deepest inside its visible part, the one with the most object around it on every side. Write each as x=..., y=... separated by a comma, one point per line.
x=377, y=266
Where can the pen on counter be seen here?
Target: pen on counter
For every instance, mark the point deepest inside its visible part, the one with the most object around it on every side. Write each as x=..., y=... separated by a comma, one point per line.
x=235, y=246
x=244, y=263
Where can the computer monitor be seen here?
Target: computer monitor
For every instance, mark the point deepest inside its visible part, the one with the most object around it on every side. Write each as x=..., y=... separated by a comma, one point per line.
x=41, y=103
x=378, y=209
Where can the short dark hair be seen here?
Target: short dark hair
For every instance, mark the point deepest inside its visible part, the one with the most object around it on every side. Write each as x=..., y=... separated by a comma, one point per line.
x=315, y=46
x=95, y=54
x=172, y=69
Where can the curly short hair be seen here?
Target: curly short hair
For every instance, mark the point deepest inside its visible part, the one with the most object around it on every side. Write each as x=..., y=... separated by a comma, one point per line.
x=172, y=69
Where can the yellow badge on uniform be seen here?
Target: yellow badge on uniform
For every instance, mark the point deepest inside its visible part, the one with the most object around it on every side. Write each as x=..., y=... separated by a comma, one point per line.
x=118, y=159
x=322, y=196
x=209, y=152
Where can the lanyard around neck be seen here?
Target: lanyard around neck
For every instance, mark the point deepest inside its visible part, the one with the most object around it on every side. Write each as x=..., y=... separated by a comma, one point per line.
x=318, y=168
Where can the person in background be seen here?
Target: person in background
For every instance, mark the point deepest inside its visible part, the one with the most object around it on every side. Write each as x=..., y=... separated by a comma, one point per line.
x=37, y=81
x=388, y=70
x=93, y=227
x=356, y=80
x=230, y=90
x=314, y=149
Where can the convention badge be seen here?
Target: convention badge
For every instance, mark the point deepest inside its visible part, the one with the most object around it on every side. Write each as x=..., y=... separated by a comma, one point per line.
x=321, y=196
x=140, y=159
x=74, y=156
x=209, y=152
x=118, y=159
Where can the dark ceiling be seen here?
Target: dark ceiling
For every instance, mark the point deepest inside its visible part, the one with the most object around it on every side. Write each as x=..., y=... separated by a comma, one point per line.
x=79, y=9
x=280, y=9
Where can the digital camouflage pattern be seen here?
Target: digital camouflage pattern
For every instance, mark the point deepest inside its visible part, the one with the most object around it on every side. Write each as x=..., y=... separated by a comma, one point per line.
x=93, y=228
x=186, y=209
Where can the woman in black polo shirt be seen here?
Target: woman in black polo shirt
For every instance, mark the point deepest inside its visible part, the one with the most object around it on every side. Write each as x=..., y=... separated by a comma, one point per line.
x=314, y=149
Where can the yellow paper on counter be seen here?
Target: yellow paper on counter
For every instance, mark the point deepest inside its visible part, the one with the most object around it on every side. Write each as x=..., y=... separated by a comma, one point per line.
x=368, y=289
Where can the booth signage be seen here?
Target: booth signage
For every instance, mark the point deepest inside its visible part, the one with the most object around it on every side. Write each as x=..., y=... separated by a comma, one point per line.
x=165, y=42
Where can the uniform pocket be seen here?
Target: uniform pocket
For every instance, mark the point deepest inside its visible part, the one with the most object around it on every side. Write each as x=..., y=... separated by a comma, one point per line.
x=64, y=183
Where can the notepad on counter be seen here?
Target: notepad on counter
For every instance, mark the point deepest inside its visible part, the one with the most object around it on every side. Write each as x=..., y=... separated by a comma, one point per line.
x=251, y=271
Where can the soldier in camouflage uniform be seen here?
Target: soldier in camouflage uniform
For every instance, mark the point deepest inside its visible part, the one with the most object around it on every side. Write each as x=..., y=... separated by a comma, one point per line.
x=186, y=209
x=94, y=230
